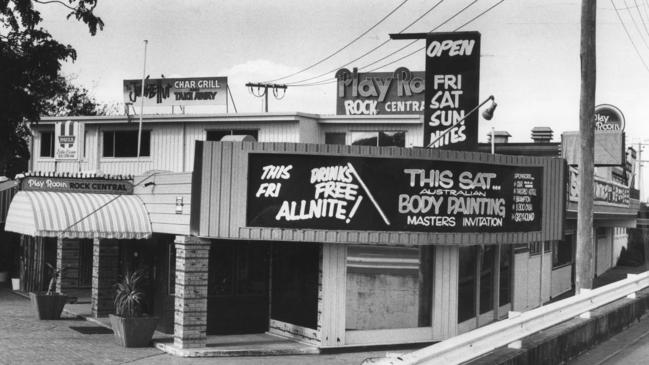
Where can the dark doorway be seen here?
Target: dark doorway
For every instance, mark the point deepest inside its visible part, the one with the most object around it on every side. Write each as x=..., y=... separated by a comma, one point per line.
x=237, y=288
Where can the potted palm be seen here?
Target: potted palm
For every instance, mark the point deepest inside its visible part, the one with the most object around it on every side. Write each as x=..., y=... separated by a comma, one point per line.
x=49, y=305
x=131, y=325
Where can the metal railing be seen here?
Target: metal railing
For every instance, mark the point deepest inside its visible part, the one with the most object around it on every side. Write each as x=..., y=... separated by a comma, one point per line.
x=509, y=332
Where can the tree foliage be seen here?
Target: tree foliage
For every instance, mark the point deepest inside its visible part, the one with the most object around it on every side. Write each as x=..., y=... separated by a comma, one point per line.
x=30, y=65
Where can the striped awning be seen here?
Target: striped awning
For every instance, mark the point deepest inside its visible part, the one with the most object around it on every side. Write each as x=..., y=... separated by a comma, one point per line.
x=76, y=215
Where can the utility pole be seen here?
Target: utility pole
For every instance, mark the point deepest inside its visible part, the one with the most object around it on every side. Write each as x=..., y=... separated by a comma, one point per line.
x=264, y=93
x=584, y=257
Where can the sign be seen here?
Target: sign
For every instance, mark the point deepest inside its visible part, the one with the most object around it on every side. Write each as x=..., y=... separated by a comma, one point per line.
x=74, y=185
x=606, y=192
x=185, y=91
x=608, y=119
x=608, y=148
x=383, y=194
x=452, y=89
x=68, y=140
x=380, y=93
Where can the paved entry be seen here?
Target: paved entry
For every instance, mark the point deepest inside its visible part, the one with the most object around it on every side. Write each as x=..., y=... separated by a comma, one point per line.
x=238, y=288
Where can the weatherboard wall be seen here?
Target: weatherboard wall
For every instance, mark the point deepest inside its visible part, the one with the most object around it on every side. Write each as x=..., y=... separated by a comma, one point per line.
x=219, y=193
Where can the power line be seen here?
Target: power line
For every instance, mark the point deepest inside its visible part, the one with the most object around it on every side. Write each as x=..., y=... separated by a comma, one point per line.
x=629, y=35
x=411, y=53
x=345, y=46
x=368, y=52
x=637, y=28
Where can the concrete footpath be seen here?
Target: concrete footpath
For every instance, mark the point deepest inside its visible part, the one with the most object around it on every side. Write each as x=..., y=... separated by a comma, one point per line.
x=70, y=340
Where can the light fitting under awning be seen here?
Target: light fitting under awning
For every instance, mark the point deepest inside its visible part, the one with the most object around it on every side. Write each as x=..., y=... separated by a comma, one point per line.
x=78, y=215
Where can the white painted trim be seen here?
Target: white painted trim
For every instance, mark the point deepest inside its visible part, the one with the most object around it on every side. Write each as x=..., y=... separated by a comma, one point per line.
x=388, y=336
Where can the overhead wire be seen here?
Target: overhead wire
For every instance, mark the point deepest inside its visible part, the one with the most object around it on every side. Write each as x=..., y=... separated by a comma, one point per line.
x=294, y=83
x=411, y=53
x=343, y=47
x=635, y=25
x=629, y=36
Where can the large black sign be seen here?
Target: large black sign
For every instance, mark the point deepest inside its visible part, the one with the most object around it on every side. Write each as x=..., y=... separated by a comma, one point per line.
x=381, y=194
x=452, y=89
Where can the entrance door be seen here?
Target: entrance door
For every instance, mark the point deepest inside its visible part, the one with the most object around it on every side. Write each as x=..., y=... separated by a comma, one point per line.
x=237, y=288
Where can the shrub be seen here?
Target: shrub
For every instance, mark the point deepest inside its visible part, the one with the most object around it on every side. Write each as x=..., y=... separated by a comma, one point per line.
x=130, y=296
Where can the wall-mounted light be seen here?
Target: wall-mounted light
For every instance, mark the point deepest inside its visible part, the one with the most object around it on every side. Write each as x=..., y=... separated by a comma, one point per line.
x=487, y=114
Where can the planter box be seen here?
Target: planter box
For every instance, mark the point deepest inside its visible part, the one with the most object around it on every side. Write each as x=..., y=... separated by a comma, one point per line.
x=133, y=332
x=15, y=284
x=48, y=306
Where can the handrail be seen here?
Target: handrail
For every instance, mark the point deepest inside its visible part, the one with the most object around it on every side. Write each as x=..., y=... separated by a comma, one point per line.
x=483, y=340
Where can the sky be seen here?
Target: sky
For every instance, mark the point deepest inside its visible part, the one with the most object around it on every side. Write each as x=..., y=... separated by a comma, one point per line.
x=529, y=56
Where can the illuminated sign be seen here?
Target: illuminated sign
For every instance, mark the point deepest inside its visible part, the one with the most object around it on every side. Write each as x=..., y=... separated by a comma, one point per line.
x=380, y=93
x=452, y=90
x=608, y=118
x=384, y=194
x=179, y=91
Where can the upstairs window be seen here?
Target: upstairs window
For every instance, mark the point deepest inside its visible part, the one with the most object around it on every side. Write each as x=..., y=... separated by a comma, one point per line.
x=47, y=144
x=380, y=138
x=124, y=144
x=335, y=138
x=216, y=135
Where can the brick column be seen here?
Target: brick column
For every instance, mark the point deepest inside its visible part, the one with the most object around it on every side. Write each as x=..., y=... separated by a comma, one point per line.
x=67, y=256
x=105, y=269
x=190, y=314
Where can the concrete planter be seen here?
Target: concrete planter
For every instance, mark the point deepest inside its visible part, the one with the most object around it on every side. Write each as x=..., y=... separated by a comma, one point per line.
x=133, y=332
x=48, y=306
x=15, y=284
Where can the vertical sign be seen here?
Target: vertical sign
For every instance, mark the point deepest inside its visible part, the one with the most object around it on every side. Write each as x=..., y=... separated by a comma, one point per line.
x=452, y=90
x=67, y=140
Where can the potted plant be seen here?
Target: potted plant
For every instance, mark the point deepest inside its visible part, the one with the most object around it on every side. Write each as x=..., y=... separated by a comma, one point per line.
x=49, y=305
x=131, y=325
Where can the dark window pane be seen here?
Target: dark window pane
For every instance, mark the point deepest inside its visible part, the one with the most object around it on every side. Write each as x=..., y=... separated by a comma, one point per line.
x=216, y=135
x=562, y=253
x=487, y=279
x=505, y=274
x=125, y=143
x=365, y=138
x=467, y=283
x=145, y=149
x=246, y=132
x=47, y=144
x=335, y=138
x=396, y=139
x=109, y=143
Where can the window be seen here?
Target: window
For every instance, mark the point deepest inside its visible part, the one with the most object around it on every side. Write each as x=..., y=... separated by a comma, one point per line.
x=562, y=252
x=383, y=139
x=47, y=144
x=124, y=143
x=216, y=135
x=535, y=248
x=335, y=138
x=388, y=287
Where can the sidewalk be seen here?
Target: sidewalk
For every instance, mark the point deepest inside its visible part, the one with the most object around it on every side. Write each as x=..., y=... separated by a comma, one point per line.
x=27, y=340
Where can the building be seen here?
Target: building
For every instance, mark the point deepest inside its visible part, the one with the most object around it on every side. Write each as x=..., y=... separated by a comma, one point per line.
x=219, y=266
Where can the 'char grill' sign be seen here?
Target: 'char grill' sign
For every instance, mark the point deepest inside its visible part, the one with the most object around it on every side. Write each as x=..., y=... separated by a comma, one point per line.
x=383, y=194
x=380, y=93
x=452, y=89
x=185, y=91
x=73, y=185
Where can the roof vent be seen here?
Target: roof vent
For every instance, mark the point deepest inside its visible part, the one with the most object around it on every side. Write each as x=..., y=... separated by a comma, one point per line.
x=542, y=134
x=499, y=136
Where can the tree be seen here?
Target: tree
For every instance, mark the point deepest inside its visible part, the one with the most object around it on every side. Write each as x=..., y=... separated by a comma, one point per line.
x=71, y=100
x=30, y=65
